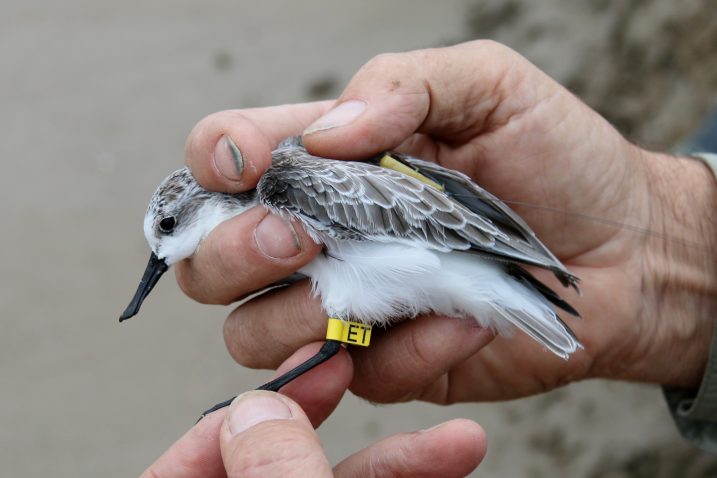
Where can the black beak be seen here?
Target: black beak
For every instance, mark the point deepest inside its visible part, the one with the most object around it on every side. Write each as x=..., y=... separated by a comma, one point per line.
x=155, y=268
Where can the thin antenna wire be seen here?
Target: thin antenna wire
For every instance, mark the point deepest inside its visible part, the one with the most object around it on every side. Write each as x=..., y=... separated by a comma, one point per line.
x=602, y=220
x=613, y=223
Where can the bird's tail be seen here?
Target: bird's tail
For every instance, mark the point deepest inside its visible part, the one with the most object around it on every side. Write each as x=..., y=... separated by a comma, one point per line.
x=549, y=330
x=481, y=288
x=546, y=327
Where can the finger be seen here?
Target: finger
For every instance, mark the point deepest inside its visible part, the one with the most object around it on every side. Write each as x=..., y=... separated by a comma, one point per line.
x=320, y=390
x=265, y=331
x=451, y=93
x=195, y=454
x=230, y=150
x=402, y=363
x=267, y=434
x=244, y=254
x=413, y=360
x=452, y=449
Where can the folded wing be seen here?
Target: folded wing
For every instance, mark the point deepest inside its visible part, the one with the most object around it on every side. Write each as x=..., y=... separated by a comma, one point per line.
x=363, y=201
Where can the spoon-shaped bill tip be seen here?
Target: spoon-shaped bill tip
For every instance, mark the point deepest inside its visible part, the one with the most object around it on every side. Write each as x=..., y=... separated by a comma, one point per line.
x=155, y=268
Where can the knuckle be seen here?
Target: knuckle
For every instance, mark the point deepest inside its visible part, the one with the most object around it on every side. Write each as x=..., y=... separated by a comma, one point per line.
x=382, y=60
x=386, y=63
x=241, y=342
x=491, y=47
x=488, y=44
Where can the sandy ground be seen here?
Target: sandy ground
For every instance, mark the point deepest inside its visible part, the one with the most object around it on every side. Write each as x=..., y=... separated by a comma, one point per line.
x=96, y=99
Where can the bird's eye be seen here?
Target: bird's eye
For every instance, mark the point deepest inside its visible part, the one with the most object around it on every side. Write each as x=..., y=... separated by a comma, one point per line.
x=167, y=224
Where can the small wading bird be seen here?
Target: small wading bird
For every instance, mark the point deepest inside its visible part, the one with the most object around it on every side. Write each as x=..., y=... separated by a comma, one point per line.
x=401, y=237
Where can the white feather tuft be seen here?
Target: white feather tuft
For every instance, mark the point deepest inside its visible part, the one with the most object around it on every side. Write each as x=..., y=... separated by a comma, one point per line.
x=378, y=283
x=372, y=282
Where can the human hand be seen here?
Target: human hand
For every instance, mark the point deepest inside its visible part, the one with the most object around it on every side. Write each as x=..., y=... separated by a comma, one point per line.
x=482, y=109
x=266, y=434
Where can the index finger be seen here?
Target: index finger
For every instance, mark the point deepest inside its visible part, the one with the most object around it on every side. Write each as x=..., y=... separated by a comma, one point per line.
x=230, y=150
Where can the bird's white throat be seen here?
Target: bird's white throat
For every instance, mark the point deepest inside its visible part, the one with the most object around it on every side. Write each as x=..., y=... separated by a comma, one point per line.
x=193, y=230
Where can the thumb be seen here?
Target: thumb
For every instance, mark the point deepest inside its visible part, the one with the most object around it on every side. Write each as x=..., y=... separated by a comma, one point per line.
x=450, y=93
x=267, y=434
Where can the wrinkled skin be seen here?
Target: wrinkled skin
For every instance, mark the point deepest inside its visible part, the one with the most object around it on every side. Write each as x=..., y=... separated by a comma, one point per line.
x=480, y=108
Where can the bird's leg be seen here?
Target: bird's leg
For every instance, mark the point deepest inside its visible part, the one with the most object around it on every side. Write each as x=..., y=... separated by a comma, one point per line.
x=328, y=350
x=339, y=331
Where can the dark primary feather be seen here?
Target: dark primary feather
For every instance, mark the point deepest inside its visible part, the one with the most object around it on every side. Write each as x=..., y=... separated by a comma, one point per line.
x=363, y=201
x=462, y=189
x=531, y=282
x=349, y=200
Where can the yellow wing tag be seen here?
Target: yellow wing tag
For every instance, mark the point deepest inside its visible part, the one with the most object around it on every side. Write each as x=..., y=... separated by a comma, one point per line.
x=390, y=162
x=348, y=332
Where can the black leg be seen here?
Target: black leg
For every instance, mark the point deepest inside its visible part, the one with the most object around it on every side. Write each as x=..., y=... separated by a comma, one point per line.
x=328, y=350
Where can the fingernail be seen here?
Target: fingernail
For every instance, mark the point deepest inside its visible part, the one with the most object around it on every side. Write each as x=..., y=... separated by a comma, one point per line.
x=341, y=115
x=277, y=238
x=228, y=159
x=252, y=408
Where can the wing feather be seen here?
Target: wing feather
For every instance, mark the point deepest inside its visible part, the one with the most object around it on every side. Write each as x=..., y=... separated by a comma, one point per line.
x=519, y=240
x=363, y=201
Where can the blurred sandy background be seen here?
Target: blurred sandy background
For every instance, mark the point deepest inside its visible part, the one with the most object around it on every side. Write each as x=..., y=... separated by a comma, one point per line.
x=96, y=99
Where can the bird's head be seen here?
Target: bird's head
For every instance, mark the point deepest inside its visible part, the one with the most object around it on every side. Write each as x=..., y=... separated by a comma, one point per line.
x=180, y=215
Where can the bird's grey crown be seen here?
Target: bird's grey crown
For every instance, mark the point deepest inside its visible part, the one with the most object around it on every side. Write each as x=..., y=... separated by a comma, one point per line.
x=180, y=195
x=177, y=185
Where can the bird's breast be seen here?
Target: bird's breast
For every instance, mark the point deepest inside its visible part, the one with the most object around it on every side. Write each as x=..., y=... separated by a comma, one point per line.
x=382, y=282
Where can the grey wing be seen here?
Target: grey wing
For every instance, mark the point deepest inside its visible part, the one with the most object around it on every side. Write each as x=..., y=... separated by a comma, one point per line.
x=518, y=240
x=362, y=201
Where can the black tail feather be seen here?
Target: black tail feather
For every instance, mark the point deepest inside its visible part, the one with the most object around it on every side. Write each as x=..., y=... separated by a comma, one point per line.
x=552, y=297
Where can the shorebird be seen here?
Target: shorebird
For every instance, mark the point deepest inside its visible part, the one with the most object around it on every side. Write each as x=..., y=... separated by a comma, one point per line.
x=401, y=237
